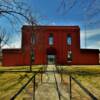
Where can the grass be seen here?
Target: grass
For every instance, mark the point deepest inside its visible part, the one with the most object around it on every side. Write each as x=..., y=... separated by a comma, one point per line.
x=10, y=83
x=88, y=76
x=91, y=82
x=82, y=69
x=20, y=68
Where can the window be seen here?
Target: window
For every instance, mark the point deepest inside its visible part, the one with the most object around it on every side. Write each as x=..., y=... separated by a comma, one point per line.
x=33, y=39
x=32, y=56
x=69, y=40
x=51, y=59
x=51, y=39
x=69, y=56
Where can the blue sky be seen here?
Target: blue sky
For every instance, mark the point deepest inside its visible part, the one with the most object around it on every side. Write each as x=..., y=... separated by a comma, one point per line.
x=47, y=12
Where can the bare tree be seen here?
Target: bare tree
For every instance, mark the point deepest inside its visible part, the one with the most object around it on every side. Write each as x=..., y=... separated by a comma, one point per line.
x=4, y=38
x=16, y=12
x=66, y=5
x=90, y=9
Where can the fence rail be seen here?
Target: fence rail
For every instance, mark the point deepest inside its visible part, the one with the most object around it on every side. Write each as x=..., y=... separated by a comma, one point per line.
x=81, y=86
x=23, y=87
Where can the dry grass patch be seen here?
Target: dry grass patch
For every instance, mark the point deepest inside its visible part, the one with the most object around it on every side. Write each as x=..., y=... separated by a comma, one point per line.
x=10, y=83
x=20, y=68
x=91, y=82
x=82, y=69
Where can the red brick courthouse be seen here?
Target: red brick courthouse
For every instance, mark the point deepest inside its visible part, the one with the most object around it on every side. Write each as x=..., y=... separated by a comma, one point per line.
x=48, y=45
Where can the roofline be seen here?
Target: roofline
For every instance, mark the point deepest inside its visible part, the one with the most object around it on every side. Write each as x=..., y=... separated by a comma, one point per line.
x=52, y=26
x=96, y=50
x=7, y=50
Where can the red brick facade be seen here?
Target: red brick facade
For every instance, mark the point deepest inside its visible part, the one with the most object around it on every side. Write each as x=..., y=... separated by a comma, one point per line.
x=60, y=51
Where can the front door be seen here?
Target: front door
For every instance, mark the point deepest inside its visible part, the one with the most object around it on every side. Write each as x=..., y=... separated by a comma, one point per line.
x=51, y=59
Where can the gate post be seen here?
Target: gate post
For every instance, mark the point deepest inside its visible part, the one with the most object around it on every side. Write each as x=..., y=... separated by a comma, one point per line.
x=34, y=88
x=70, y=88
x=41, y=76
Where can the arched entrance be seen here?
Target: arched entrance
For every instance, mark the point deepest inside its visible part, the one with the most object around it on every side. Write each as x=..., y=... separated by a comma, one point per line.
x=51, y=55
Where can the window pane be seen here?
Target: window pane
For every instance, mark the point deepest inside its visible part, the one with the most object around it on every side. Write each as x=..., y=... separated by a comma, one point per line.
x=51, y=40
x=69, y=40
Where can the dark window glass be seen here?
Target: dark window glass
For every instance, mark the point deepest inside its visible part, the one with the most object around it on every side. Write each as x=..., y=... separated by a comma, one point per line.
x=32, y=56
x=51, y=39
x=33, y=39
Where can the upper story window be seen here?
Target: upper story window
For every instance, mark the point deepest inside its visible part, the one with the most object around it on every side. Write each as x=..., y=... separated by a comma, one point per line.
x=69, y=40
x=33, y=39
x=51, y=39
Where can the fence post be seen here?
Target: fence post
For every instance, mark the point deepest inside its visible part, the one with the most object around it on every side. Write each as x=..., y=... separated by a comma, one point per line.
x=41, y=75
x=70, y=88
x=61, y=75
x=34, y=88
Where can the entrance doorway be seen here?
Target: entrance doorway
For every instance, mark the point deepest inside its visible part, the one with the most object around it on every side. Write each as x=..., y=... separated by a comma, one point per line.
x=51, y=59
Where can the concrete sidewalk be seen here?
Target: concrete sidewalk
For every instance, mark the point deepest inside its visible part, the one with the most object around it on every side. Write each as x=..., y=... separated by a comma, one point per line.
x=47, y=90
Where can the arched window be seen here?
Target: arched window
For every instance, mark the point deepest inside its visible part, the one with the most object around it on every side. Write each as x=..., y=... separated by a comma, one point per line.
x=33, y=39
x=69, y=56
x=51, y=39
x=69, y=40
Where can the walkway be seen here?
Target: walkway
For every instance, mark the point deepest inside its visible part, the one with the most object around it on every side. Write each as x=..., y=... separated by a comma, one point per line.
x=47, y=90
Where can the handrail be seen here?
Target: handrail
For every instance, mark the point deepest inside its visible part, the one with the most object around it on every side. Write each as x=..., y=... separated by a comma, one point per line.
x=59, y=95
x=21, y=89
x=84, y=89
